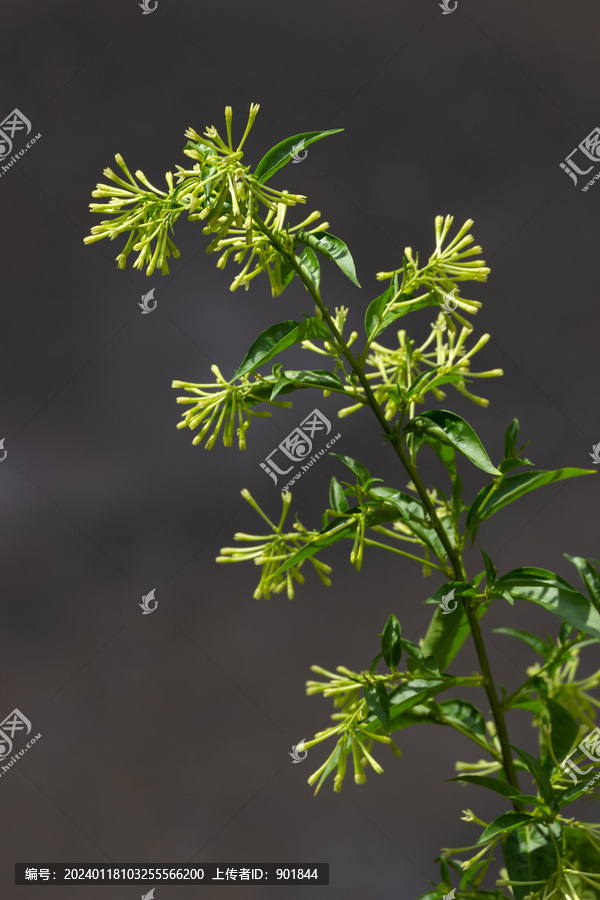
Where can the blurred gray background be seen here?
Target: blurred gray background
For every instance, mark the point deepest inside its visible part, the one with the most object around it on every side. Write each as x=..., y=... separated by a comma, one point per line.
x=165, y=737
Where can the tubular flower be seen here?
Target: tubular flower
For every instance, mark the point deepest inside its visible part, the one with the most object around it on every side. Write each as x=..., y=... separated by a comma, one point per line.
x=272, y=551
x=217, y=404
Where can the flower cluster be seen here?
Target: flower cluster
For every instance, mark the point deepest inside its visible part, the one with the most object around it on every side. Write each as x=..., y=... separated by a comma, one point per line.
x=356, y=732
x=272, y=551
x=223, y=401
x=217, y=190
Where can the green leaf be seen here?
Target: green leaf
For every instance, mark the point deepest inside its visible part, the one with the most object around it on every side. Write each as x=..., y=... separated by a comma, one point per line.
x=390, y=642
x=414, y=693
x=425, y=382
x=445, y=453
x=277, y=338
x=500, y=787
x=377, y=320
x=504, y=823
x=307, y=378
x=337, y=498
x=447, y=632
x=361, y=472
x=565, y=729
x=554, y=594
x=531, y=640
x=530, y=855
x=490, y=571
x=540, y=775
x=510, y=439
x=333, y=248
x=378, y=702
x=373, y=315
x=589, y=575
x=465, y=715
x=310, y=266
x=445, y=426
x=282, y=153
x=494, y=496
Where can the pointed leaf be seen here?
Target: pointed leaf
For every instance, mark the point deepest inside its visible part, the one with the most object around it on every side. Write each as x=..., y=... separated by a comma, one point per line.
x=315, y=378
x=500, y=787
x=361, y=472
x=277, y=338
x=464, y=714
x=589, y=575
x=310, y=265
x=504, y=823
x=337, y=497
x=531, y=640
x=282, y=153
x=554, y=594
x=374, y=313
x=333, y=248
x=565, y=729
x=445, y=426
x=378, y=702
x=540, y=775
x=494, y=496
x=490, y=570
x=390, y=642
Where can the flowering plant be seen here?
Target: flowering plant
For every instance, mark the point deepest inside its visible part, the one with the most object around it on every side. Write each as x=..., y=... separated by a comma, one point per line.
x=535, y=849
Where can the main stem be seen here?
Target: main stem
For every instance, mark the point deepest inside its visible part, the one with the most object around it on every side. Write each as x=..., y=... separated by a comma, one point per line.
x=455, y=559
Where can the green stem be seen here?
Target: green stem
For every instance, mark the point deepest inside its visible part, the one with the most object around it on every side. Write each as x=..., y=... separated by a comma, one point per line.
x=458, y=571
